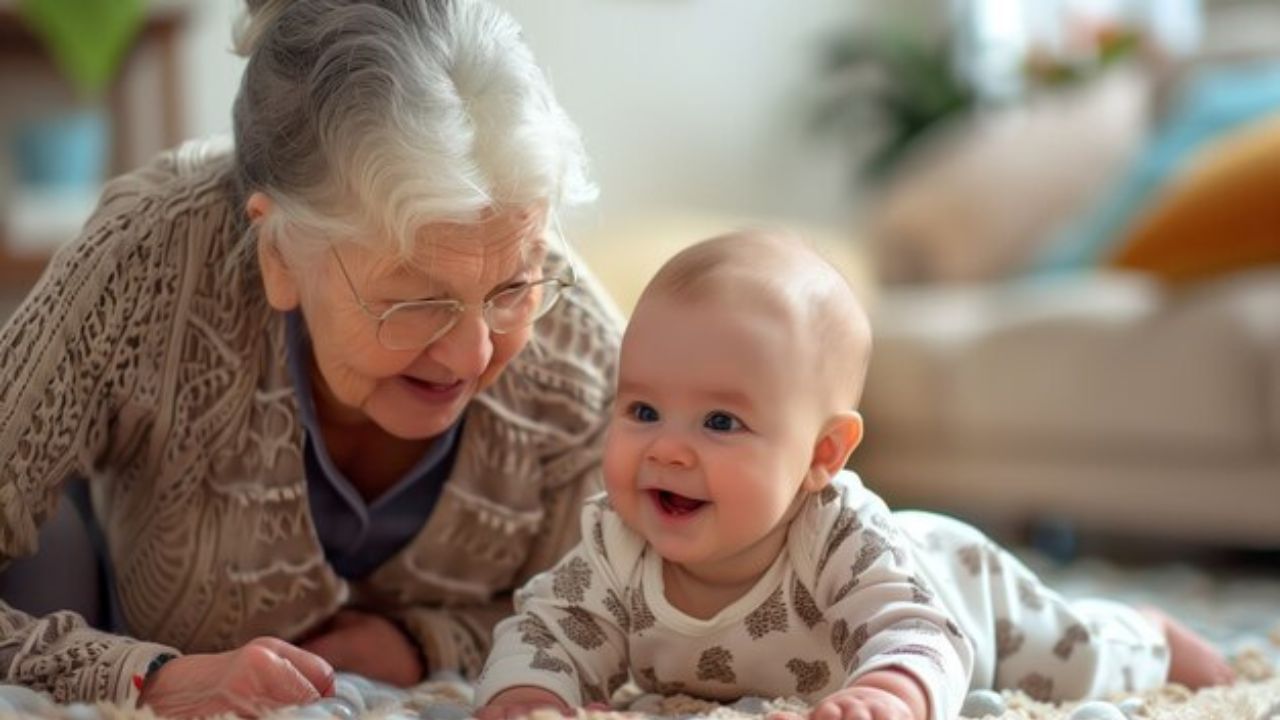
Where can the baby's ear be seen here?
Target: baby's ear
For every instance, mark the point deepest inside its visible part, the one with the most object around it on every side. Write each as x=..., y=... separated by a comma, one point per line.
x=838, y=439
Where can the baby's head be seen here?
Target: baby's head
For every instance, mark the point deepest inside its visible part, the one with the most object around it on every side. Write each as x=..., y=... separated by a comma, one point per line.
x=740, y=372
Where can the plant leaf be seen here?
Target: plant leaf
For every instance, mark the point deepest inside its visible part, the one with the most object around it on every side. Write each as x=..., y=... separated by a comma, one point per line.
x=86, y=38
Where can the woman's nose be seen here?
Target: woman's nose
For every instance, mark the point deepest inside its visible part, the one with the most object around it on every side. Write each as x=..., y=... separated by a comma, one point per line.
x=671, y=450
x=467, y=348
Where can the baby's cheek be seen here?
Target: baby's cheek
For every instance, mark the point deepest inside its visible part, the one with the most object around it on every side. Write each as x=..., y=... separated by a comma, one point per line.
x=620, y=466
x=617, y=467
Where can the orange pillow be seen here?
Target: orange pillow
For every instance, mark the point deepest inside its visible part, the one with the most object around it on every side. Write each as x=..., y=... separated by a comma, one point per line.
x=1220, y=215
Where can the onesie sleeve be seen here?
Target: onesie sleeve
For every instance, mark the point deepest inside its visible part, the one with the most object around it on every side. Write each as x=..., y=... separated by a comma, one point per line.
x=569, y=633
x=882, y=615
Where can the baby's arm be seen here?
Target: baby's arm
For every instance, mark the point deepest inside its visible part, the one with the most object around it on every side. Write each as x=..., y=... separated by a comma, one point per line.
x=566, y=644
x=520, y=701
x=889, y=694
x=905, y=658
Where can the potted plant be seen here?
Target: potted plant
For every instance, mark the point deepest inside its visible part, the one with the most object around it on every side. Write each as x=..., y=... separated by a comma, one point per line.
x=60, y=155
x=87, y=40
x=883, y=91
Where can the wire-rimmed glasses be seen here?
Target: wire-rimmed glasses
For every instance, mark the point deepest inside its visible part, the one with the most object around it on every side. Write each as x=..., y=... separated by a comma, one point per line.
x=415, y=324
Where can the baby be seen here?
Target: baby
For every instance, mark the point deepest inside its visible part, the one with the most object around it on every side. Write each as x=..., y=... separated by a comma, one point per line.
x=733, y=555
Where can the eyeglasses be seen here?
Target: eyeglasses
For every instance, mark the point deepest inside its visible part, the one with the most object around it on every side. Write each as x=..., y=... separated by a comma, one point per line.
x=415, y=324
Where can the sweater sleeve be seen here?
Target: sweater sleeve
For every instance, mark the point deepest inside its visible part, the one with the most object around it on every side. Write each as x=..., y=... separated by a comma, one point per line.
x=569, y=635
x=459, y=637
x=882, y=614
x=68, y=356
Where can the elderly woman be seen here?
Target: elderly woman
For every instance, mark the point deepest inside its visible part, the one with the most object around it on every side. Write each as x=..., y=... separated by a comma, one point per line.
x=335, y=392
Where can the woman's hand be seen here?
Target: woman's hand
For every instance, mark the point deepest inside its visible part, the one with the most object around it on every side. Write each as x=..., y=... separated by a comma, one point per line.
x=261, y=676
x=368, y=645
x=517, y=702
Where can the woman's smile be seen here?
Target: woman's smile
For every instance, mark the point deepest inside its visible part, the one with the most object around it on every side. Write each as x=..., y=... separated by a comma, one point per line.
x=433, y=393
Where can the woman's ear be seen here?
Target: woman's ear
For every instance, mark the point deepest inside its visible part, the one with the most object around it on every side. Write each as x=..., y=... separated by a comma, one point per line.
x=277, y=277
x=837, y=441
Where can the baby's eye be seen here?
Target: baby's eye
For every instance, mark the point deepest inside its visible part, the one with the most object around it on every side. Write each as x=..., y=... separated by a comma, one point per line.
x=642, y=412
x=721, y=421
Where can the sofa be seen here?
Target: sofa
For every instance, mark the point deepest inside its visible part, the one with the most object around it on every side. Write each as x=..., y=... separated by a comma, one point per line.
x=1104, y=400
x=1094, y=342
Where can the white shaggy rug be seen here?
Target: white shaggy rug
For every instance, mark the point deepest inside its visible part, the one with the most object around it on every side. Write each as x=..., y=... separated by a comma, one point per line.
x=1242, y=616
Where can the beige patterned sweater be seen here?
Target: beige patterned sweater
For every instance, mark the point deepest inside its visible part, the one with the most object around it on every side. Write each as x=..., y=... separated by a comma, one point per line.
x=148, y=361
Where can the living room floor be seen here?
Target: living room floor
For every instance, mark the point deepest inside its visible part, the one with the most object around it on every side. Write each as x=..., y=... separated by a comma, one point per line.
x=1231, y=597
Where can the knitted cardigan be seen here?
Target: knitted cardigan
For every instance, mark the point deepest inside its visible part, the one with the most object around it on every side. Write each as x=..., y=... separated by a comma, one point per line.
x=148, y=361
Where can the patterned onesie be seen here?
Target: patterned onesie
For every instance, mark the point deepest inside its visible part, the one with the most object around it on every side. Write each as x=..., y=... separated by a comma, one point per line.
x=850, y=593
x=1025, y=635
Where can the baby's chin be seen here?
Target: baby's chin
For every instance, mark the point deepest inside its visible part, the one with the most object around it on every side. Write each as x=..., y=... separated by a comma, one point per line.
x=653, y=537
x=677, y=556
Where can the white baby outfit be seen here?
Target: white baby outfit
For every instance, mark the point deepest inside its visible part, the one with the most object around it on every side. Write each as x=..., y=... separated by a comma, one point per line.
x=850, y=593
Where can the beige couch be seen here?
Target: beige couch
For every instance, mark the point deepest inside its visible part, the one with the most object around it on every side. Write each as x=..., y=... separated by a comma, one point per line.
x=1099, y=399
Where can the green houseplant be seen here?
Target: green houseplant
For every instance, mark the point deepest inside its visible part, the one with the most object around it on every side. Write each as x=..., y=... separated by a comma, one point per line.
x=894, y=85
x=87, y=40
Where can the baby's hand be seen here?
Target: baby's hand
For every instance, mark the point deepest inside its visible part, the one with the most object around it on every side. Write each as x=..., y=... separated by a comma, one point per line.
x=519, y=701
x=861, y=703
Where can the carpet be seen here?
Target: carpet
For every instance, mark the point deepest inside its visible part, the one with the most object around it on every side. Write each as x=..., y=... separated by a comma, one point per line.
x=1239, y=614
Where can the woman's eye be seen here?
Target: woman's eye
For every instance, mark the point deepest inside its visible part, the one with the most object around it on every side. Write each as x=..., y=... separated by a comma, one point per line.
x=511, y=296
x=642, y=412
x=521, y=283
x=722, y=422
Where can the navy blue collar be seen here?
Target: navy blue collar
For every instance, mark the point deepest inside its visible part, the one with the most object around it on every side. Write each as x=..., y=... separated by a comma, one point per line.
x=298, y=346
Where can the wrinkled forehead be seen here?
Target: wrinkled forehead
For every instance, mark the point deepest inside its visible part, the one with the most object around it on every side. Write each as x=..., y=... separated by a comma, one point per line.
x=496, y=232
x=500, y=242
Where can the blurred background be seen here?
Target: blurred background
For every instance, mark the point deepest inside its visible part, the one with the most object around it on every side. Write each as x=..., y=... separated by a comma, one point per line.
x=1064, y=215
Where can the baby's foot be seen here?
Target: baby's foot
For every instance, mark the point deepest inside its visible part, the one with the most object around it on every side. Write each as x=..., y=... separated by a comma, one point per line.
x=1193, y=662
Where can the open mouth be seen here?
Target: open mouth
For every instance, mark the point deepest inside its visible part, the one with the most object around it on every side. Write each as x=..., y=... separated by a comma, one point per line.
x=435, y=391
x=675, y=504
x=432, y=385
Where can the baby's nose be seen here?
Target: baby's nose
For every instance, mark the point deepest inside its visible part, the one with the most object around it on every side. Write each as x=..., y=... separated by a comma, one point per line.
x=670, y=450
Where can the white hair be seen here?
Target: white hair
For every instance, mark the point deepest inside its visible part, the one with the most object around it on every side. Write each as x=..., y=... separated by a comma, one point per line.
x=364, y=120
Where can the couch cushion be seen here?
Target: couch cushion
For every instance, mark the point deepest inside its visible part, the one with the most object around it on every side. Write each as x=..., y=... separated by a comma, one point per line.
x=947, y=216
x=1215, y=101
x=1217, y=217
x=1106, y=363
x=921, y=336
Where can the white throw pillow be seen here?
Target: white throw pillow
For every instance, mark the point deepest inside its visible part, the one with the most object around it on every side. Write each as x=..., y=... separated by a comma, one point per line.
x=979, y=199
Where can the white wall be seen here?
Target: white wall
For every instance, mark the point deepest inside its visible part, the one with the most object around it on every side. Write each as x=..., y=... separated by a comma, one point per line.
x=211, y=70
x=685, y=105
x=694, y=103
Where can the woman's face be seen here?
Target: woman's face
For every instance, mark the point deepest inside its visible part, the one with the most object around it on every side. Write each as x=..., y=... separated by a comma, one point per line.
x=416, y=393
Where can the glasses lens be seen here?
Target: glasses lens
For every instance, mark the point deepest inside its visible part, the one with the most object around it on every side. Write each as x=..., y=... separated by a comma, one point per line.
x=519, y=307
x=416, y=326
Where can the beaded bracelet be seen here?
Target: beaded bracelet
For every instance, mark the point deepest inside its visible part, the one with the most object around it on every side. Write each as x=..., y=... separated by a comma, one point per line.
x=156, y=663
